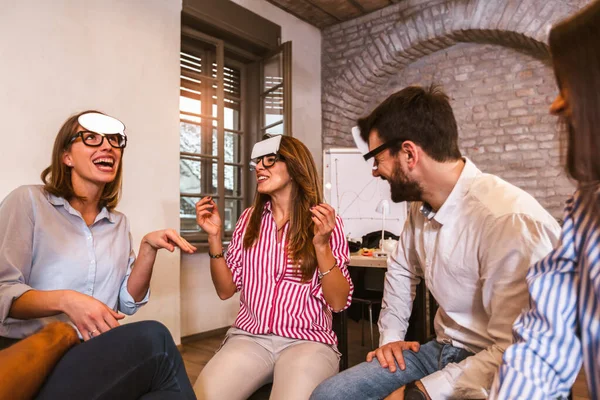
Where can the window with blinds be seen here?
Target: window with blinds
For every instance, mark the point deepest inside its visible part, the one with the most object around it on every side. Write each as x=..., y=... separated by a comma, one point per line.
x=276, y=91
x=211, y=138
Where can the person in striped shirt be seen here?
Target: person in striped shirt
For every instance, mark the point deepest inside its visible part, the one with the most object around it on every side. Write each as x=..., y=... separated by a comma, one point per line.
x=287, y=258
x=562, y=326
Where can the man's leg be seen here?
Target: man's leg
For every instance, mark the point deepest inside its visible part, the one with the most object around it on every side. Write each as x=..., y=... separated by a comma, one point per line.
x=368, y=381
x=300, y=368
x=450, y=354
x=124, y=363
x=236, y=371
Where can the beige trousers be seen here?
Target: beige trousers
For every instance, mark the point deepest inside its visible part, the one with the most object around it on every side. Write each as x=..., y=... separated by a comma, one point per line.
x=246, y=362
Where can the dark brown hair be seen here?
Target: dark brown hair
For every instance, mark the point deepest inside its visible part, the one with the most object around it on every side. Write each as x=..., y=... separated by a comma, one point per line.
x=57, y=177
x=576, y=57
x=306, y=192
x=421, y=115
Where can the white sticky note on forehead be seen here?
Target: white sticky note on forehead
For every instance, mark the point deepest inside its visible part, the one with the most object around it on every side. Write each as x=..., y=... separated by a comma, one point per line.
x=101, y=123
x=267, y=146
x=362, y=146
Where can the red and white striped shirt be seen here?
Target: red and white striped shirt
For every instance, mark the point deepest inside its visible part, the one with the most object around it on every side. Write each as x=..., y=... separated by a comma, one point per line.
x=273, y=298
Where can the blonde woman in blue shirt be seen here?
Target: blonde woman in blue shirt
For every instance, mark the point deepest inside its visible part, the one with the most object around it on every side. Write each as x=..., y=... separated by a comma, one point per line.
x=66, y=254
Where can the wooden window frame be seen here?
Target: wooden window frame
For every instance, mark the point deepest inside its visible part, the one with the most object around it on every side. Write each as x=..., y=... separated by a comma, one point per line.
x=197, y=237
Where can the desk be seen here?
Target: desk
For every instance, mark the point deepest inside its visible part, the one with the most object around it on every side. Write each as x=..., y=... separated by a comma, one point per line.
x=417, y=328
x=340, y=320
x=368, y=262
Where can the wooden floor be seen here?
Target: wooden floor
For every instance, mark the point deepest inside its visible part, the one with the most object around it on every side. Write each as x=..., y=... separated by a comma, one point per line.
x=197, y=353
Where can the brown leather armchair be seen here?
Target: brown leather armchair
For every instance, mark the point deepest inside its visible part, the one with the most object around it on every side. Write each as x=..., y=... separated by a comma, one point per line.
x=25, y=365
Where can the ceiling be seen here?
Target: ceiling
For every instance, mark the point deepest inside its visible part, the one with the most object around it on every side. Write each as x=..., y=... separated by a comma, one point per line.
x=324, y=13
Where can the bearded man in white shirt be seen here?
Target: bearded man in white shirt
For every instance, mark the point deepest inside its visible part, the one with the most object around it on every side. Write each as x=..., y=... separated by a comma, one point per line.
x=470, y=235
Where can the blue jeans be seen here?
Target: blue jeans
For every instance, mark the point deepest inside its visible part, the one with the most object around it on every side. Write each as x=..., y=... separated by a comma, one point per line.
x=368, y=381
x=134, y=361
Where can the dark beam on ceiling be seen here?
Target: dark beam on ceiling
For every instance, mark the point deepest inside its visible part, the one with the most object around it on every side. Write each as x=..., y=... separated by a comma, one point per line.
x=358, y=6
x=323, y=10
x=295, y=14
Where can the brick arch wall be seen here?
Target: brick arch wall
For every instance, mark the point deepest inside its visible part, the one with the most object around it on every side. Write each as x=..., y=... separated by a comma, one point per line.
x=491, y=58
x=500, y=98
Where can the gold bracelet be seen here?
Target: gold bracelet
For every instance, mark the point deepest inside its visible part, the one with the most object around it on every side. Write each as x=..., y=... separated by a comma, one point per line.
x=322, y=274
x=220, y=255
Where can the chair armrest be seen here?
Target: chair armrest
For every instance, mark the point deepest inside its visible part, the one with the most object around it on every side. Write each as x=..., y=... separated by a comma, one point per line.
x=25, y=365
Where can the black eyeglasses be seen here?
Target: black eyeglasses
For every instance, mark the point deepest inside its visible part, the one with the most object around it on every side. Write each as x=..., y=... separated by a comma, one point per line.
x=381, y=148
x=94, y=139
x=267, y=161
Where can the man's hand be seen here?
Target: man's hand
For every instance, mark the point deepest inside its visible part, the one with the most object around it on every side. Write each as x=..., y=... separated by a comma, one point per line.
x=390, y=353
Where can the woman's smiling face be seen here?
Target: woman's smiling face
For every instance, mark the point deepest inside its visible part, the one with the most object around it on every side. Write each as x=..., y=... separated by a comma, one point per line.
x=98, y=165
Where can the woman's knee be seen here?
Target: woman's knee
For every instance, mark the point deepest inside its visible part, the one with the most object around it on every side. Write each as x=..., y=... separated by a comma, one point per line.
x=153, y=328
x=151, y=334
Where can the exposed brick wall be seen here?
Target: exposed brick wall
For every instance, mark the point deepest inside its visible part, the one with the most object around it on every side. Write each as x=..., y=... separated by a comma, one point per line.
x=500, y=99
x=489, y=55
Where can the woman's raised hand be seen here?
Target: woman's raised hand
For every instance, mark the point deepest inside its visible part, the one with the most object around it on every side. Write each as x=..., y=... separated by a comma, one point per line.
x=167, y=239
x=207, y=216
x=323, y=215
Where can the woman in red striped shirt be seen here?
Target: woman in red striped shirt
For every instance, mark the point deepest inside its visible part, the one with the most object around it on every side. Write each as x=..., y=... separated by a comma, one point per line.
x=287, y=258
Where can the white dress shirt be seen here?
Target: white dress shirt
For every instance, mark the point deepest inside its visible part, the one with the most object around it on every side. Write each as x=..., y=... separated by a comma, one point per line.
x=473, y=253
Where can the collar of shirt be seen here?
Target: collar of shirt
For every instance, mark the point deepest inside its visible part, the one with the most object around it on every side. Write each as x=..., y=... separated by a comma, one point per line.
x=60, y=201
x=427, y=211
x=448, y=210
x=268, y=208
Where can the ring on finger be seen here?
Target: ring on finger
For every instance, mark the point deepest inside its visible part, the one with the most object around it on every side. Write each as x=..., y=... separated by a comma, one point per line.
x=92, y=332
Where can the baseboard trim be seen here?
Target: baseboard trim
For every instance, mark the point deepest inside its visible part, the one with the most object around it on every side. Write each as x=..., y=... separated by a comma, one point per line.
x=204, y=335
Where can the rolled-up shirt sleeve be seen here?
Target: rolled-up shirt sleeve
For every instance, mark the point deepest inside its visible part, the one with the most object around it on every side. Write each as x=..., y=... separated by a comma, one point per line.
x=16, y=243
x=401, y=279
x=127, y=304
x=341, y=253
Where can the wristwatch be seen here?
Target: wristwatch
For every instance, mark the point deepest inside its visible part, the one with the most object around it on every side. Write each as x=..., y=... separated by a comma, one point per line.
x=412, y=392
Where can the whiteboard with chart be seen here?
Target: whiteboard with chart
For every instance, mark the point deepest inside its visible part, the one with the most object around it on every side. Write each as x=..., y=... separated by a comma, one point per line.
x=350, y=188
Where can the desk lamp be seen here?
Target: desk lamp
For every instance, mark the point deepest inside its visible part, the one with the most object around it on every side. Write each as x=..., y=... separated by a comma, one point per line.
x=383, y=208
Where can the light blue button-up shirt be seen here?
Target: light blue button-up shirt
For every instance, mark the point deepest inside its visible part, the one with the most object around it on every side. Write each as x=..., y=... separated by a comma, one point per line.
x=45, y=244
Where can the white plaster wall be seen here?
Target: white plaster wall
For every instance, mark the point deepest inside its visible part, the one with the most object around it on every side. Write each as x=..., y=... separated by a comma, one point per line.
x=121, y=57
x=201, y=309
